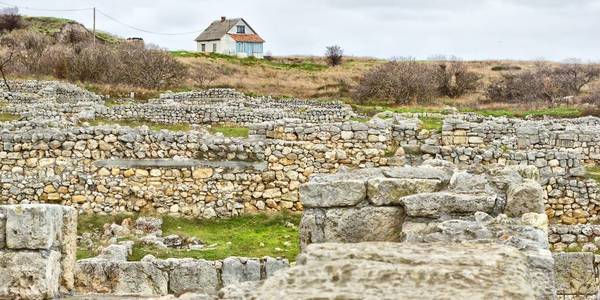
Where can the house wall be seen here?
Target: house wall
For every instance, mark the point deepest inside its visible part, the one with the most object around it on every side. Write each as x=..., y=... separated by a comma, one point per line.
x=227, y=45
x=209, y=46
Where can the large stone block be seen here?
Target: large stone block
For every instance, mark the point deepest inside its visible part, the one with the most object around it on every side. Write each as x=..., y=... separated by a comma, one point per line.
x=191, y=275
x=436, y=205
x=120, y=278
x=378, y=270
x=33, y=226
x=388, y=191
x=575, y=273
x=351, y=225
x=524, y=197
x=273, y=265
x=29, y=274
x=240, y=269
x=347, y=192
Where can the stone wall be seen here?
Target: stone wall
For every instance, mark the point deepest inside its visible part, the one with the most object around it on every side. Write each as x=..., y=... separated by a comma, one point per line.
x=37, y=251
x=114, y=169
x=577, y=275
x=152, y=276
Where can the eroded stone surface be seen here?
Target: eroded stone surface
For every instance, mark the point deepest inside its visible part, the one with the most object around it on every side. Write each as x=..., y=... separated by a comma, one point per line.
x=393, y=270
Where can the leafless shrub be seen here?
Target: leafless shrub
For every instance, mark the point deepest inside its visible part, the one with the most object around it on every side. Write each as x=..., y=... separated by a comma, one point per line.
x=28, y=46
x=334, y=55
x=204, y=74
x=10, y=22
x=454, y=78
x=55, y=60
x=544, y=83
x=400, y=82
x=6, y=57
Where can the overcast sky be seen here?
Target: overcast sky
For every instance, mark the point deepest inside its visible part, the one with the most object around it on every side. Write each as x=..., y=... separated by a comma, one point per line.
x=471, y=29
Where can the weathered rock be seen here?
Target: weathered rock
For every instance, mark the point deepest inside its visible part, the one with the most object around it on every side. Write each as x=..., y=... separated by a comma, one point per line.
x=190, y=275
x=388, y=191
x=29, y=274
x=120, y=278
x=436, y=205
x=351, y=225
x=523, y=198
x=575, y=274
x=342, y=193
x=389, y=271
x=239, y=269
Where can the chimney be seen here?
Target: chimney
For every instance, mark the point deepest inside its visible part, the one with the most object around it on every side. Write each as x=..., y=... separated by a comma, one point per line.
x=223, y=19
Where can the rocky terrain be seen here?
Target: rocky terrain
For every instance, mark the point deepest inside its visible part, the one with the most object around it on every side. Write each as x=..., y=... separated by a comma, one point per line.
x=475, y=207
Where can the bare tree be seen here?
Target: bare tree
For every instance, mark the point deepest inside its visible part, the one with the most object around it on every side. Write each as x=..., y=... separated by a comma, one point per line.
x=334, y=55
x=6, y=58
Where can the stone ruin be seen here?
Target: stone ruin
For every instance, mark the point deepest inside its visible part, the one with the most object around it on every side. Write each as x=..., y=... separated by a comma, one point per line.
x=296, y=158
x=371, y=233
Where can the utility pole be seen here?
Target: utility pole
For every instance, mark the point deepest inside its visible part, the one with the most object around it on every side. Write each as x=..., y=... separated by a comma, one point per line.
x=94, y=27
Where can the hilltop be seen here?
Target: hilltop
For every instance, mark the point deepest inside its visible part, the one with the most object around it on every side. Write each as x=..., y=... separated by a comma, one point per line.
x=55, y=27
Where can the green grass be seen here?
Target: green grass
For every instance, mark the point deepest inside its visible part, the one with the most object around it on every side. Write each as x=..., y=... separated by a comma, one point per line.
x=8, y=117
x=107, y=37
x=593, y=173
x=230, y=131
x=252, y=61
x=248, y=235
x=557, y=112
x=433, y=124
x=138, y=123
x=46, y=25
x=360, y=120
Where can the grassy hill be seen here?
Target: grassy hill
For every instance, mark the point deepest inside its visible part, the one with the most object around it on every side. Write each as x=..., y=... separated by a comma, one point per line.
x=52, y=26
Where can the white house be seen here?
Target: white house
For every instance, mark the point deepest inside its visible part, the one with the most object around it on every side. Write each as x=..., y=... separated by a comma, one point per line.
x=231, y=37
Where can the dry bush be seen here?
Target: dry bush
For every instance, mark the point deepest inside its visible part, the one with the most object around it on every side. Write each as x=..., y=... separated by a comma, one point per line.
x=544, y=83
x=93, y=64
x=10, y=22
x=400, y=82
x=28, y=46
x=334, y=55
x=55, y=61
x=204, y=74
x=454, y=78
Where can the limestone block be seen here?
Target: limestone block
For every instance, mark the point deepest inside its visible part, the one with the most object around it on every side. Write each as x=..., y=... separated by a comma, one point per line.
x=575, y=274
x=348, y=192
x=436, y=205
x=351, y=225
x=524, y=197
x=29, y=274
x=120, y=278
x=239, y=270
x=33, y=226
x=388, y=191
x=377, y=270
x=191, y=275
x=273, y=265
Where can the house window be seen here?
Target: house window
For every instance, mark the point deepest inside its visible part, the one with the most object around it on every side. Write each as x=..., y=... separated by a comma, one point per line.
x=214, y=47
x=203, y=47
x=241, y=29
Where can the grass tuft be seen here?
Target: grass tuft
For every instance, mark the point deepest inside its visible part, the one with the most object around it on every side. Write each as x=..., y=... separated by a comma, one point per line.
x=138, y=123
x=230, y=131
x=594, y=173
x=8, y=117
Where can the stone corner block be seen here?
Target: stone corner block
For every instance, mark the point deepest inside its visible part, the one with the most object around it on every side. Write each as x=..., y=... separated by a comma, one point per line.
x=33, y=226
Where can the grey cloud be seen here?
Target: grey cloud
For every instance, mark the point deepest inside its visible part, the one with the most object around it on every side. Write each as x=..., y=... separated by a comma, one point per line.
x=472, y=29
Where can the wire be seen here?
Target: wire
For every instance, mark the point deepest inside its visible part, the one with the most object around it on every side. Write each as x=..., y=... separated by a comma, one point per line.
x=143, y=30
x=102, y=13
x=45, y=9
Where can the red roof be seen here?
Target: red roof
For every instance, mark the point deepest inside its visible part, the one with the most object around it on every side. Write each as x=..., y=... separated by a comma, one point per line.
x=250, y=38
